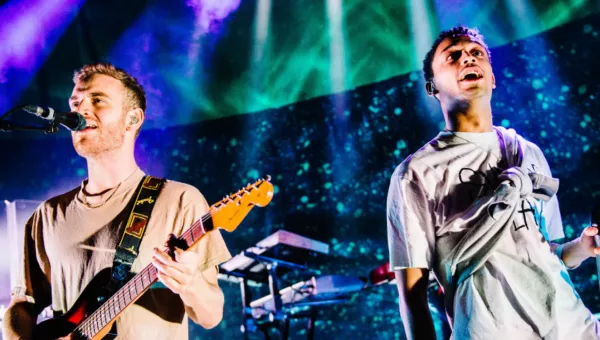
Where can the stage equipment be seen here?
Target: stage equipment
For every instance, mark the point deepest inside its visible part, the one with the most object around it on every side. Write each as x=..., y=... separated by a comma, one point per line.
x=264, y=264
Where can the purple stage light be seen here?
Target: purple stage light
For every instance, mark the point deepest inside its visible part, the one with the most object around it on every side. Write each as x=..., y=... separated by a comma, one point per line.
x=29, y=31
x=168, y=59
x=211, y=12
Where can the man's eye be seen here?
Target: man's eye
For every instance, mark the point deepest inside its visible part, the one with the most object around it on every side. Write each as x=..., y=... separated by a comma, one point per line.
x=74, y=104
x=454, y=55
x=477, y=53
x=97, y=100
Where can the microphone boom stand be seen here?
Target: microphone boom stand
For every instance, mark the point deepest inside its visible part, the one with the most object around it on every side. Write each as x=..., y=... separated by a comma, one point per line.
x=6, y=126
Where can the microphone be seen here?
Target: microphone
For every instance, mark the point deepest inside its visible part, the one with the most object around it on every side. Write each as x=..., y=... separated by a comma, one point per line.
x=596, y=222
x=71, y=120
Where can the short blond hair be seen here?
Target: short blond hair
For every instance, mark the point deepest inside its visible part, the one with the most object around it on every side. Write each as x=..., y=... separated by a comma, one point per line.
x=135, y=97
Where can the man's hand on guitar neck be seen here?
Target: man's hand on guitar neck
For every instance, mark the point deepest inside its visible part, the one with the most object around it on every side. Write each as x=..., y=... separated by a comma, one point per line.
x=177, y=274
x=199, y=291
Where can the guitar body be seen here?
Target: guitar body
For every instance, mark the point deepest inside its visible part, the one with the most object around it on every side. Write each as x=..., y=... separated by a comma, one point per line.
x=92, y=297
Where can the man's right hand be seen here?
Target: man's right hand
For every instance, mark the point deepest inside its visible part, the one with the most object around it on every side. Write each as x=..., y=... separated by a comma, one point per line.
x=19, y=319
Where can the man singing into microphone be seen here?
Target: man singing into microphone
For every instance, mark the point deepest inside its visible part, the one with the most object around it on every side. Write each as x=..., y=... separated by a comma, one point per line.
x=71, y=237
x=477, y=205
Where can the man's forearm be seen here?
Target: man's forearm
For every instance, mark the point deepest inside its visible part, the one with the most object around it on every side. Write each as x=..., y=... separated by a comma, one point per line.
x=417, y=321
x=204, y=304
x=414, y=307
x=18, y=321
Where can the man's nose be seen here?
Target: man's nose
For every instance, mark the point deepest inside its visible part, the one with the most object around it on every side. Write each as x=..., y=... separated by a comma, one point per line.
x=84, y=108
x=83, y=112
x=468, y=59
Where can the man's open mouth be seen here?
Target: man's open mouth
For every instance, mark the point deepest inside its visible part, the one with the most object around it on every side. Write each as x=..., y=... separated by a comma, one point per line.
x=471, y=74
x=90, y=127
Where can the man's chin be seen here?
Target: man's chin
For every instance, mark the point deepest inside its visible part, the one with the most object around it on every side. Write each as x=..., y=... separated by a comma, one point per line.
x=474, y=86
x=474, y=93
x=84, y=152
x=83, y=148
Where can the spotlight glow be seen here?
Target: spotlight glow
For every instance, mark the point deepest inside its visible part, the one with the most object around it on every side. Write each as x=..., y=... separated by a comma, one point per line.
x=29, y=32
x=337, y=52
x=258, y=63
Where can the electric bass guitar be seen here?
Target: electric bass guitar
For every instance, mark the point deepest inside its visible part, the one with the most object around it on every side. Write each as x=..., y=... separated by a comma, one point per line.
x=93, y=314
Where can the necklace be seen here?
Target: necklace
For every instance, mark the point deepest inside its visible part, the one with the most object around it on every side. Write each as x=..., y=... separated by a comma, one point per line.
x=85, y=194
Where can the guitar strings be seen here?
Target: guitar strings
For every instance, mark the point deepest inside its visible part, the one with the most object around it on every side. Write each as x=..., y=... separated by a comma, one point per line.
x=137, y=279
x=111, y=302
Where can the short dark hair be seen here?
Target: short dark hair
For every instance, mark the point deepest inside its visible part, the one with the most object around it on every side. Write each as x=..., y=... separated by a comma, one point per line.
x=454, y=32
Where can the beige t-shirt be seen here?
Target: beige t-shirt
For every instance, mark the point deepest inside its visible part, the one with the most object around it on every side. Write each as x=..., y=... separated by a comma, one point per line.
x=67, y=243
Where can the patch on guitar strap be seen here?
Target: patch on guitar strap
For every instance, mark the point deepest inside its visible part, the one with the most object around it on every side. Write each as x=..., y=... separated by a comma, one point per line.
x=137, y=226
x=128, y=247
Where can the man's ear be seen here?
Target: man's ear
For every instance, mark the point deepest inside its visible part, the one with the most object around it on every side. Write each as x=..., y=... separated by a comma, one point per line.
x=493, y=81
x=430, y=88
x=135, y=119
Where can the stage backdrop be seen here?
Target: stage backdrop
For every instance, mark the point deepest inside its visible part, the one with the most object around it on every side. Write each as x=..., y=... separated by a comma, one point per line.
x=331, y=158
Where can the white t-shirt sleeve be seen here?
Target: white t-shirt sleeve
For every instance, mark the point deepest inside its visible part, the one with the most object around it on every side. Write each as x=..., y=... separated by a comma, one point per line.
x=552, y=222
x=553, y=219
x=410, y=227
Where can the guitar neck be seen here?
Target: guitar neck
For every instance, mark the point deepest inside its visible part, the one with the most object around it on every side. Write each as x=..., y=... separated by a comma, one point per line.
x=137, y=285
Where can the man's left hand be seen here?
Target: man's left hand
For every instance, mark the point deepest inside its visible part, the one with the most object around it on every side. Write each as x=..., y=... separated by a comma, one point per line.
x=586, y=242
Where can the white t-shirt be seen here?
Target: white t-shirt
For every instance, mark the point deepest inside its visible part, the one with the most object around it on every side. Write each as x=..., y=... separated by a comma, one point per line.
x=433, y=201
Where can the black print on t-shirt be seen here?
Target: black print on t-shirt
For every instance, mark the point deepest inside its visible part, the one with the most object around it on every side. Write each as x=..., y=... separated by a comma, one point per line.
x=523, y=211
x=532, y=169
x=482, y=183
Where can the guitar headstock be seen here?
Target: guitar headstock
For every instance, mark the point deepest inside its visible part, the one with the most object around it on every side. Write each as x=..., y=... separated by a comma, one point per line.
x=229, y=212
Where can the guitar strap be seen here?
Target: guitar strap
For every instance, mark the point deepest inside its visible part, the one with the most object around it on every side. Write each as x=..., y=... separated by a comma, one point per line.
x=128, y=247
x=129, y=244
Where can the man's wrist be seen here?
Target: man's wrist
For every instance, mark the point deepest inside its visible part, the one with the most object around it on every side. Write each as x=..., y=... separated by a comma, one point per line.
x=559, y=251
x=570, y=253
